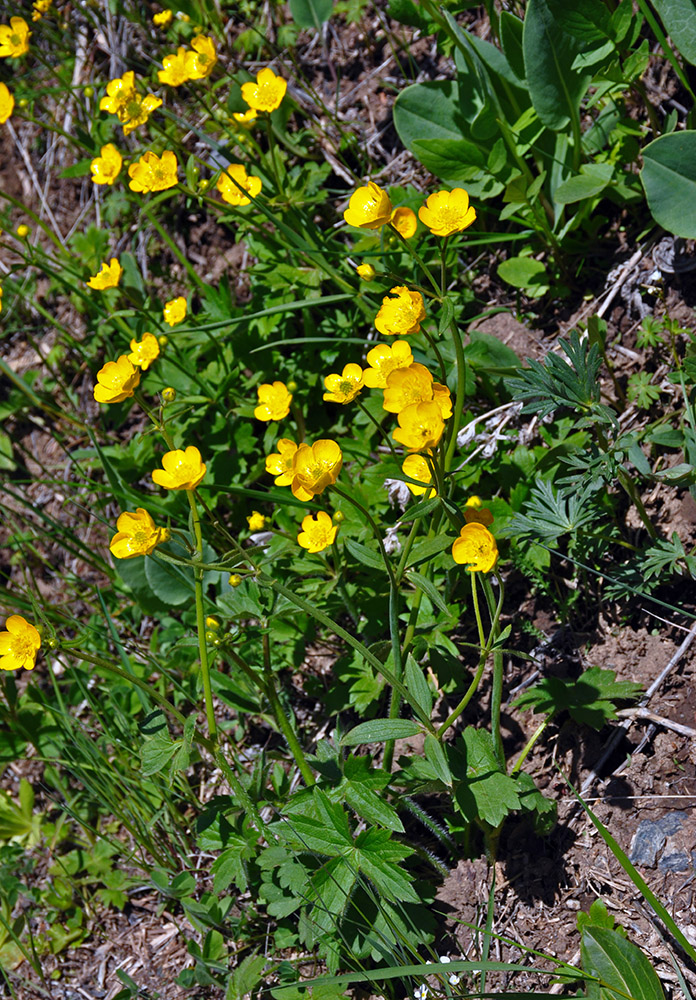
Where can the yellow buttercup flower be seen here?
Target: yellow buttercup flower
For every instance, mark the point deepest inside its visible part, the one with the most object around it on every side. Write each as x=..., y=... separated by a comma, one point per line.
x=475, y=548
x=256, y=521
x=181, y=470
x=6, y=103
x=474, y=501
x=447, y=212
x=108, y=277
x=402, y=314
x=41, y=7
x=416, y=467
x=0, y=298
x=124, y=101
x=345, y=387
x=174, y=310
x=383, y=360
x=200, y=61
x=420, y=426
x=267, y=93
x=443, y=397
x=405, y=222
x=406, y=386
x=317, y=534
x=245, y=118
x=366, y=272
x=279, y=464
x=23, y=231
x=314, y=467
x=230, y=191
x=175, y=70
x=369, y=207
x=154, y=173
x=116, y=381
x=143, y=353
x=480, y=515
x=163, y=18
x=14, y=39
x=107, y=166
x=274, y=401
x=20, y=642
x=136, y=535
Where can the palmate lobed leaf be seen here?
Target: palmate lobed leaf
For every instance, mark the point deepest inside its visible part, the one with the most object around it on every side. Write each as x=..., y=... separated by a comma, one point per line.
x=590, y=700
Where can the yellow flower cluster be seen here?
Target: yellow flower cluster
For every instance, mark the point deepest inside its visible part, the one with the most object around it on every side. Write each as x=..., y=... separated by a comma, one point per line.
x=444, y=212
x=306, y=468
x=124, y=101
x=183, y=65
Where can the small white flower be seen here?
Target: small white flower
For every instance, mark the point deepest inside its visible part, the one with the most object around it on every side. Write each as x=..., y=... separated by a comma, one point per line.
x=398, y=493
x=391, y=541
x=454, y=979
x=421, y=992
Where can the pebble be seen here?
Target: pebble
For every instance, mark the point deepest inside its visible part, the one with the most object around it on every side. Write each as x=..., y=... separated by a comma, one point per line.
x=677, y=862
x=648, y=839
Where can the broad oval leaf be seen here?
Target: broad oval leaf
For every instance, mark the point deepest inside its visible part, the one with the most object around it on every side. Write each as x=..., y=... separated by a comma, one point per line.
x=620, y=964
x=311, y=13
x=679, y=18
x=669, y=179
x=381, y=730
x=555, y=88
x=592, y=180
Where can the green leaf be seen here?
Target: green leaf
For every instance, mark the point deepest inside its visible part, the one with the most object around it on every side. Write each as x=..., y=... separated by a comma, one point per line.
x=679, y=18
x=365, y=555
x=555, y=88
x=418, y=685
x=590, y=700
x=157, y=752
x=525, y=272
x=435, y=756
x=429, y=589
x=379, y=731
x=486, y=793
x=592, y=179
x=427, y=548
x=245, y=977
x=621, y=965
x=669, y=179
x=359, y=788
x=170, y=584
x=588, y=20
x=310, y=13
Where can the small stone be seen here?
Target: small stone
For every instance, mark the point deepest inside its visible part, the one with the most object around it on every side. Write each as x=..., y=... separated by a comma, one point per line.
x=678, y=862
x=647, y=841
x=671, y=822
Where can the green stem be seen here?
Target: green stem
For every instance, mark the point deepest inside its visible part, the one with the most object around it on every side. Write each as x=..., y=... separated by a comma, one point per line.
x=351, y=641
x=630, y=488
x=182, y=258
x=443, y=268
x=418, y=259
x=459, y=400
x=375, y=530
x=200, y=620
x=471, y=690
x=528, y=745
x=280, y=716
x=395, y=702
x=381, y=429
x=497, y=686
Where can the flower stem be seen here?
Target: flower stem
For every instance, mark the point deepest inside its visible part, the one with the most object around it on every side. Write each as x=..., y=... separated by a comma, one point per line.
x=461, y=392
x=279, y=713
x=497, y=687
x=471, y=690
x=418, y=259
x=200, y=619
